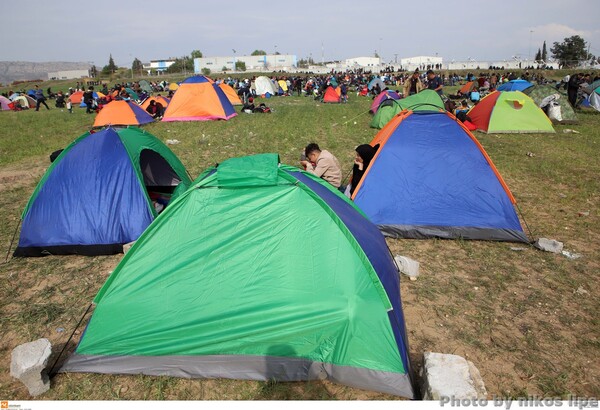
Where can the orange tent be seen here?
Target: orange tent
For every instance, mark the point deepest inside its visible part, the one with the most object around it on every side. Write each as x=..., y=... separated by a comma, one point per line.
x=122, y=113
x=76, y=97
x=159, y=99
x=231, y=94
x=198, y=98
x=331, y=95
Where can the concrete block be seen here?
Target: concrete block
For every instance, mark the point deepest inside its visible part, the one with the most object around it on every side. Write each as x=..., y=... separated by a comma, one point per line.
x=549, y=245
x=451, y=376
x=28, y=364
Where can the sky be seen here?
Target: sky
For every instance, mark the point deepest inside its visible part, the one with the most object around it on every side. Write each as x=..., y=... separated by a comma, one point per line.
x=71, y=30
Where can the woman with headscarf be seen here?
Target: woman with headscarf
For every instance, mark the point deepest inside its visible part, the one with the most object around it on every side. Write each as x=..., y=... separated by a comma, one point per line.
x=364, y=155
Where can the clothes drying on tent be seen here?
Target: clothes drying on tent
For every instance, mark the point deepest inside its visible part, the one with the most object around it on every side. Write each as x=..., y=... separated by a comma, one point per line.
x=95, y=196
x=509, y=112
x=122, y=113
x=198, y=98
x=540, y=92
x=259, y=271
x=432, y=178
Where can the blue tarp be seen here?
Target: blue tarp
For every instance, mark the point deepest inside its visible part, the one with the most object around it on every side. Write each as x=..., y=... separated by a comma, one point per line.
x=515, y=85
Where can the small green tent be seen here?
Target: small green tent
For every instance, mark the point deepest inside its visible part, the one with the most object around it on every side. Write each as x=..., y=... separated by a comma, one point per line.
x=539, y=92
x=426, y=100
x=258, y=271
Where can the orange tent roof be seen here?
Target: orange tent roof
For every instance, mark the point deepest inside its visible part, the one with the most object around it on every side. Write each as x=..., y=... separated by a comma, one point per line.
x=122, y=113
x=231, y=94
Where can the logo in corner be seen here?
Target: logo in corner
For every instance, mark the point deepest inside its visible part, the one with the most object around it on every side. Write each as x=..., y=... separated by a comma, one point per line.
x=4, y=404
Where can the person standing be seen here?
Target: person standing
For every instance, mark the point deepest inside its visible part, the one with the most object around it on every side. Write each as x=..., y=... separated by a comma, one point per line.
x=434, y=82
x=40, y=99
x=573, y=88
x=88, y=100
x=413, y=84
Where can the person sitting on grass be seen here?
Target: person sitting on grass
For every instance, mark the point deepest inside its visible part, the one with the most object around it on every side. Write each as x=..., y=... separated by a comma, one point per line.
x=322, y=164
x=155, y=109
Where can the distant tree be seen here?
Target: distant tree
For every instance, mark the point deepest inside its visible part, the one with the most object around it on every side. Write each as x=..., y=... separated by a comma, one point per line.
x=224, y=68
x=205, y=71
x=571, y=52
x=110, y=68
x=376, y=55
x=544, y=52
x=240, y=66
x=538, y=55
x=181, y=65
x=137, y=66
x=259, y=53
x=93, y=71
x=196, y=54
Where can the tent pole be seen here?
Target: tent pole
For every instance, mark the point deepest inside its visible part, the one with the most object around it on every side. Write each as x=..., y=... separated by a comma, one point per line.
x=50, y=373
x=12, y=240
x=344, y=123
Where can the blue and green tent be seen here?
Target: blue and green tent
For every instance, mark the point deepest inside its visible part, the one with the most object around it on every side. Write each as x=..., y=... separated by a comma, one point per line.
x=98, y=194
x=259, y=271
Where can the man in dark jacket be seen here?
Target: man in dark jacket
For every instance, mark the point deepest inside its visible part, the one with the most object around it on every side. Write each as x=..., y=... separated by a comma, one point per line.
x=88, y=99
x=573, y=87
x=40, y=99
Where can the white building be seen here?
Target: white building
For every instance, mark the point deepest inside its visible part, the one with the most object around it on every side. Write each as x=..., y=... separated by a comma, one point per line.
x=68, y=75
x=158, y=65
x=420, y=62
x=269, y=62
x=362, y=62
x=507, y=64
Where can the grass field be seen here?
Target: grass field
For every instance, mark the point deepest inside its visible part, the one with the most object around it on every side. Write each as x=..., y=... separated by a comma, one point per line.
x=529, y=320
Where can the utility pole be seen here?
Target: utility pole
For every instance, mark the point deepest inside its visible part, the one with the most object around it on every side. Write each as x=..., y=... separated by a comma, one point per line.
x=530, y=34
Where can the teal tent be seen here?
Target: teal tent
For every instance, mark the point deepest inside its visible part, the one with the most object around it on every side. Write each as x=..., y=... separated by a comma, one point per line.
x=258, y=271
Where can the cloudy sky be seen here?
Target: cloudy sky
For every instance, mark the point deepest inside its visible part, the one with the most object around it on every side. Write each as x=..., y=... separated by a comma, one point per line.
x=72, y=30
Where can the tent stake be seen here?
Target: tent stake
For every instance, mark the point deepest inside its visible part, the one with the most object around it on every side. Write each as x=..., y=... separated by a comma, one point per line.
x=12, y=241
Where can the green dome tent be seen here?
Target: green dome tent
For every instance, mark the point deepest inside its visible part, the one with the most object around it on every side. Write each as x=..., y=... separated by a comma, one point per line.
x=539, y=92
x=259, y=271
x=426, y=100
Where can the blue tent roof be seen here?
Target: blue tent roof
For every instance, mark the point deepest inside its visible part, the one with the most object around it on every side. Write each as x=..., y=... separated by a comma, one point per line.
x=92, y=199
x=515, y=85
x=431, y=178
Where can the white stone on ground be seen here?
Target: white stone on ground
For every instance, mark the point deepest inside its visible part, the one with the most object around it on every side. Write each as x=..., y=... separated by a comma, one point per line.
x=451, y=376
x=28, y=364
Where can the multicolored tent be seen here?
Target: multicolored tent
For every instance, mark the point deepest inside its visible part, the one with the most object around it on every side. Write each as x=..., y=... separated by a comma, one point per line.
x=426, y=100
x=509, y=112
x=198, y=98
x=432, y=178
x=383, y=96
x=467, y=88
x=540, y=92
x=232, y=96
x=331, y=95
x=259, y=271
x=98, y=194
x=514, y=85
x=5, y=103
x=122, y=113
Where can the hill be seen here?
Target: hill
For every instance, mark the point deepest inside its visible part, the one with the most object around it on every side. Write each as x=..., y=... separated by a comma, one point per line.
x=27, y=70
